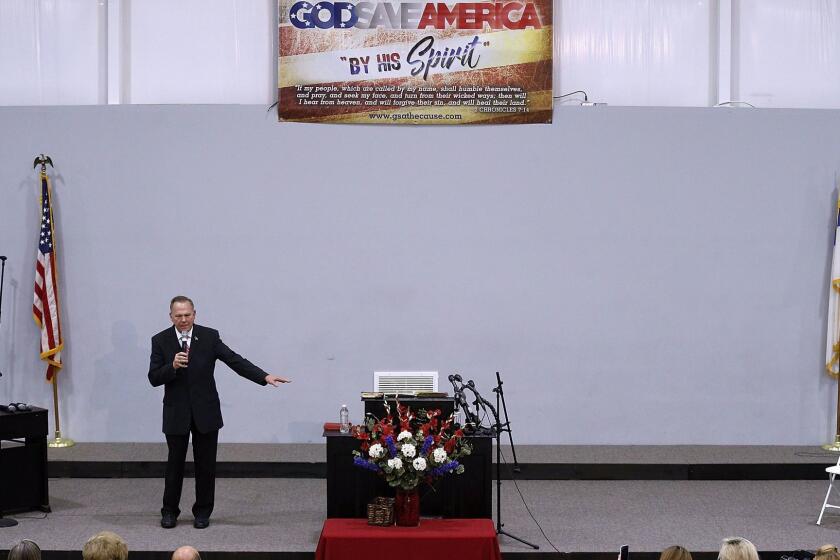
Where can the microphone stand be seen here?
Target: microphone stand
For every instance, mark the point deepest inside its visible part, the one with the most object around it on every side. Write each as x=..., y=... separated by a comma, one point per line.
x=500, y=397
x=498, y=428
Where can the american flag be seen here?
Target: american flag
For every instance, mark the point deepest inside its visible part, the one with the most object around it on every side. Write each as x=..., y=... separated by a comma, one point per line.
x=45, y=306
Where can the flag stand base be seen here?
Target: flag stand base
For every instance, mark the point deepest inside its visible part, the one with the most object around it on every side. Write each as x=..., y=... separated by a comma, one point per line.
x=60, y=441
x=833, y=446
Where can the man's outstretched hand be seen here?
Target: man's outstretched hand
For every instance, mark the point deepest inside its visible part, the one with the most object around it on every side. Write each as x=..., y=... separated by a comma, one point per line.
x=276, y=380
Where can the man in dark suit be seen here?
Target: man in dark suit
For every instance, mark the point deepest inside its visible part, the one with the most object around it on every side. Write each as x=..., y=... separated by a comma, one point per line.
x=183, y=359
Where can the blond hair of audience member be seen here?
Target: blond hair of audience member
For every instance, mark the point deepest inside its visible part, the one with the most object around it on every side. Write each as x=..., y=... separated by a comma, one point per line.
x=186, y=553
x=675, y=552
x=737, y=548
x=827, y=552
x=105, y=546
x=25, y=550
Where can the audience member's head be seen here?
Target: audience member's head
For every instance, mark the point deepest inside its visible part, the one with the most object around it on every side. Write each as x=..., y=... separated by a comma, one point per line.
x=186, y=553
x=105, y=546
x=25, y=550
x=675, y=552
x=737, y=548
x=827, y=552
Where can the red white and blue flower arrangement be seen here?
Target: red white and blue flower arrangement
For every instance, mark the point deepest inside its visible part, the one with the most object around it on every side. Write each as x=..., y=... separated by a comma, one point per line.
x=426, y=447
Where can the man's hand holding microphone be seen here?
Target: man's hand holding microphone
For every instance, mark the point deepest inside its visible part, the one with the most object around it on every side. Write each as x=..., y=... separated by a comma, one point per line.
x=182, y=357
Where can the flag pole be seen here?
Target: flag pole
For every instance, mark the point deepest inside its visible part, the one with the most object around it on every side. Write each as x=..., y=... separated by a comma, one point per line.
x=833, y=330
x=835, y=445
x=46, y=315
x=58, y=441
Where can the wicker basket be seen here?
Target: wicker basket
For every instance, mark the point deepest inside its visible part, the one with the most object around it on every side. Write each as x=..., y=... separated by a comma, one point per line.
x=381, y=512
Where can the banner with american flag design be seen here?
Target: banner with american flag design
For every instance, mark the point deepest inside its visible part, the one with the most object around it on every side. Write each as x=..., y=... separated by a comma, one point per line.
x=415, y=63
x=45, y=307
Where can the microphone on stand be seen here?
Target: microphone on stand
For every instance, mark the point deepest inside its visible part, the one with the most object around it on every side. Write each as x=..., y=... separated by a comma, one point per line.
x=451, y=379
x=455, y=391
x=479, y=400
x=472, y=417
x=461, y=401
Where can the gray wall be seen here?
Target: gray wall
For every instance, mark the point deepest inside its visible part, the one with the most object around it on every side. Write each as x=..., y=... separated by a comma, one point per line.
x=638, y=275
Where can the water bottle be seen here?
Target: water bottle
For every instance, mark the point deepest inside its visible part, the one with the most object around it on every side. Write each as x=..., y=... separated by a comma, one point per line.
x=344, y=417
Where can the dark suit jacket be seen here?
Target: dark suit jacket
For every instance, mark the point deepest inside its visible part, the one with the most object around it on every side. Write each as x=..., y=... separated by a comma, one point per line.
x=190, y=393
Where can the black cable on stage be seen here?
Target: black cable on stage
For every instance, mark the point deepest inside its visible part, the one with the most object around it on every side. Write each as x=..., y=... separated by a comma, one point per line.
x=528, y=509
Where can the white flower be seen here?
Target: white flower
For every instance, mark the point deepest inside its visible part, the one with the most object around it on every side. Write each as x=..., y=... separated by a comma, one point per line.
x=404, y=435
x=395, y=463
x=439, y=454
x=419, y=464
x=376, y=451
x=409, y=450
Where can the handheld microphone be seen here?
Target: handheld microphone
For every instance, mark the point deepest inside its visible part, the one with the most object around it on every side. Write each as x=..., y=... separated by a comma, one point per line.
x=8, y=407
x=22, y=406
x=184, y=346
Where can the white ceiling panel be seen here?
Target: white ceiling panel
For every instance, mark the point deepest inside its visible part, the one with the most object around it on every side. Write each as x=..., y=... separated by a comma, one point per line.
x=49, y=52
x=635, y=52
x=788, y=53
x=201, y=51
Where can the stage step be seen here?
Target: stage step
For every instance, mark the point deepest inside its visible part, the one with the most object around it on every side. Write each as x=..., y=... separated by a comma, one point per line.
x=537, y=462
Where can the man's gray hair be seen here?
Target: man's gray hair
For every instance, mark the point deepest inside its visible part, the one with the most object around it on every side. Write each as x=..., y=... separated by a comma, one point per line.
x=181, y=299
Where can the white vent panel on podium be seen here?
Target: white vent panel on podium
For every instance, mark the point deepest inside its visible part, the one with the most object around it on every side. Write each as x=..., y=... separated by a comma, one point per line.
x=391, y=382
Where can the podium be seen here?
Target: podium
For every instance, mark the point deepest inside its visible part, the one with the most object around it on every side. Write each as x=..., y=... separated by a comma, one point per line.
x=457, y=496
x=23, y=461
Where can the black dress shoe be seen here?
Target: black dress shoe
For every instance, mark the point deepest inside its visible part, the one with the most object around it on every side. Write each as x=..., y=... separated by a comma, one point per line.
x=168, y=521
x=201, y=523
